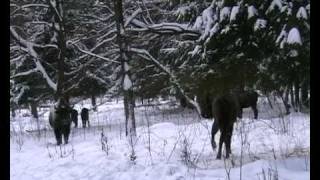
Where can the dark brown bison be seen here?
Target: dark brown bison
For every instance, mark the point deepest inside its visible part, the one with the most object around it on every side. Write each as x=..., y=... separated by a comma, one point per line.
x=74, y=117
x=245, y=99
x=60, y=121
x=85, y=117
x=225, y=109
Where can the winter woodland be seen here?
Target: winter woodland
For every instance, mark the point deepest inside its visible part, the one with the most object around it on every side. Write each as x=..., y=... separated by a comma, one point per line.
x=149, y=71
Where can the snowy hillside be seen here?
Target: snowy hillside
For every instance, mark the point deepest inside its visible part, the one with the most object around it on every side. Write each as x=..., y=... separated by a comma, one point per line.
x=175, y=146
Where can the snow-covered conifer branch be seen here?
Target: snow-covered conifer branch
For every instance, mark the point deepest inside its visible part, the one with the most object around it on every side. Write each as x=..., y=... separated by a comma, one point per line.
x=146, y=55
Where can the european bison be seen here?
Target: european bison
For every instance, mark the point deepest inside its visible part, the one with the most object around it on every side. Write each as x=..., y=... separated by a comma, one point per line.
x=60, y=121
x=74, y=117
x=225, y=109
x=85, y=117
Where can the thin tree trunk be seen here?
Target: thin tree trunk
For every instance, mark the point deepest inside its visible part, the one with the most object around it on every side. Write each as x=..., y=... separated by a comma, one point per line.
x=127, y=83
x=93, y=102
x=304, y=94
x=286, y=100
x=34, y=110
x=292, y=100
x=57, y=8
x=13, y=110
x=296, y=95
x=35, y=115
x=269, y=101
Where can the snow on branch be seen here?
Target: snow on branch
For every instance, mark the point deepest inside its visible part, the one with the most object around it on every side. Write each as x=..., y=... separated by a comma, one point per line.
x=164, y=28
x=26, y=6
x=95, y=55
x=134, y=14
x=282, y=37
x=21, y=92
x=24, y=73
x=28, y=43
x=294, y=37
x=30, y=47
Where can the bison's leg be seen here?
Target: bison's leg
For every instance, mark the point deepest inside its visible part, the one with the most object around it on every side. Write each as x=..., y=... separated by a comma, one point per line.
x=228, y=140
x=84, y=123
x=222, y=138
x=88, y=122
x=57, y=133
x=214, y=130
x=66, y=132
x=255, y=111
x=76, y=123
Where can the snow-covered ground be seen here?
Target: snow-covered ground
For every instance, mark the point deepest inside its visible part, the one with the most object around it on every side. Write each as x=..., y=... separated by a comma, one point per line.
x=171, y=143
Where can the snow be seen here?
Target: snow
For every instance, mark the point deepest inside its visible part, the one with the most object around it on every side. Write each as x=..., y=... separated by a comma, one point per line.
x=208, y=19
x=294, y=36
x=184, y=9
x=234, y=12
x=172, y=131
x=198, y=23
x=195, y=51
x=133, y=15
x=282, y=37
x=308, y=8
x=127, y=83
x=293, y=53
x=302, y=13
x=224, y=13
x=260, y=24
x=214, y=29
x=274, y=3
x=226, y=29
x=252, y=11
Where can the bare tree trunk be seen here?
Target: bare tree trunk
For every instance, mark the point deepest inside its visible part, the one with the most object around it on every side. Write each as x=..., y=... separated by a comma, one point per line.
x=292, y=100
x=286, y=100
x=269, y=101
x=93, y=102
x=13, y=110
x=58, y=28
x=296, y=95
x=127, y=83
x=35, y=115
x=34, y=110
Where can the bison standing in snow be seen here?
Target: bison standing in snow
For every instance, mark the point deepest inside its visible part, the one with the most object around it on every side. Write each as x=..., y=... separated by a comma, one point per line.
x=60, y=121
x=225, y=109
x=85, y=117
x=74, y=117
